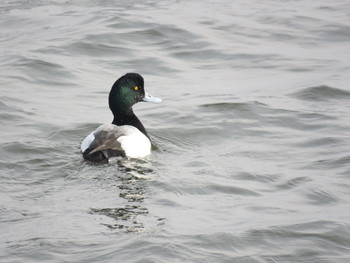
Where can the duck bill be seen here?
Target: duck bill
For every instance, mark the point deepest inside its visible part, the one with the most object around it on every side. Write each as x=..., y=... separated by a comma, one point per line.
x=150, y=98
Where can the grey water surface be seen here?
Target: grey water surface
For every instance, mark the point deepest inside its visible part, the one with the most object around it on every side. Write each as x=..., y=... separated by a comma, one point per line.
x=251, y=158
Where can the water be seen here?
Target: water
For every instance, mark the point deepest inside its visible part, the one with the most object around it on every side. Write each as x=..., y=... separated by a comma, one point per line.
x=251, y=160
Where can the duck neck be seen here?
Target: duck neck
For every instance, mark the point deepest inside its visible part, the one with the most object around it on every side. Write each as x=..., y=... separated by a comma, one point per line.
x=129, y=119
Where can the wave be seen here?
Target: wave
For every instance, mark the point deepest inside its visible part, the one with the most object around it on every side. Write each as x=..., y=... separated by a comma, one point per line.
x=321, y=93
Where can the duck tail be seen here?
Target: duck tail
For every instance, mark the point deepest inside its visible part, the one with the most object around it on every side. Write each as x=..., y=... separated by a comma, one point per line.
x=95, y=157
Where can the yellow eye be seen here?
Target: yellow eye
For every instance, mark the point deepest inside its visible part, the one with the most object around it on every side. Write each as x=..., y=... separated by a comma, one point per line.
x=136, y=88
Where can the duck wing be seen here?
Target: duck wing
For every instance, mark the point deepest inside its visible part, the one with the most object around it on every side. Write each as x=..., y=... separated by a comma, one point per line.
x=103, y=143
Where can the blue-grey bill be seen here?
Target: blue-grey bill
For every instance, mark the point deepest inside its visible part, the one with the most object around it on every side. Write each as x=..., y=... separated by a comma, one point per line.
x=150, y=98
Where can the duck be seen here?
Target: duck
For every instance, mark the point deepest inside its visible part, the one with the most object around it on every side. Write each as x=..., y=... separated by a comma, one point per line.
x=125, y=136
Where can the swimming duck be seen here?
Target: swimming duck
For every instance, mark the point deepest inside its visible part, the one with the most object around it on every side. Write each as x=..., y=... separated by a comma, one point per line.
x=125, y=136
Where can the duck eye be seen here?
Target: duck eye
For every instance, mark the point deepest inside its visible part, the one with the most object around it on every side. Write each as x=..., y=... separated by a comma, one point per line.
x=136, y=88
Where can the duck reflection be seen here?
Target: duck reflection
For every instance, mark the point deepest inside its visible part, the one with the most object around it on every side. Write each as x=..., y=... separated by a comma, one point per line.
x=125, y=218
x=132, y=178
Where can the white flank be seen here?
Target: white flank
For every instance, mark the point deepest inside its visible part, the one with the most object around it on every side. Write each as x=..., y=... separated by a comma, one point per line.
x=87, y=141
x=135, y=144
